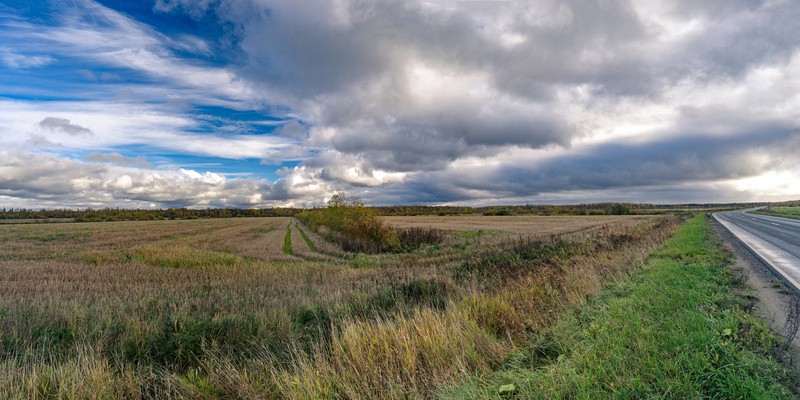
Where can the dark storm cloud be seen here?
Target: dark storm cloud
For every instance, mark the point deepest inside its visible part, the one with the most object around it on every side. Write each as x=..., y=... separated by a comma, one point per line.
x=430, y=139
x=439, y=101
x=309, y=48
x=656, y=163
x=576, y=42
x=351, y=59
x=740, y=36
x=667, y=162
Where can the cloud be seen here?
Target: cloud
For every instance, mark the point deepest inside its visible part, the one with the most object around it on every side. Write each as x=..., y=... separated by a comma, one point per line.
x=91, y=31
x=63, y=125
x=123, y=124
x=691, y=159
x=118, y=159
x=434, y=101
x=54, y=181
x=416, y=86
x=15, y=60
x=104, y=77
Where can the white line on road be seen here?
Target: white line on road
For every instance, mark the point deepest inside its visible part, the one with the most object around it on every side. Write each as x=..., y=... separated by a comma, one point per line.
x=780, y=261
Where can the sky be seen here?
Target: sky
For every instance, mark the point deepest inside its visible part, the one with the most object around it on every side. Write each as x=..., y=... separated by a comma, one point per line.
x=275, y=103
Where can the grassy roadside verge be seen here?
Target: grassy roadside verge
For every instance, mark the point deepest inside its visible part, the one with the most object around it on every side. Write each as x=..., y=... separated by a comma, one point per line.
x=674, y=330
x=786, y=212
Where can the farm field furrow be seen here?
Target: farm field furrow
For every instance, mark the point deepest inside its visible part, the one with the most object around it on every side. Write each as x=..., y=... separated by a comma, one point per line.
x=303, y=249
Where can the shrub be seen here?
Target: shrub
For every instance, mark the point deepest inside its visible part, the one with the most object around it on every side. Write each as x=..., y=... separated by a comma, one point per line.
x=619, y=209
x=353, y=225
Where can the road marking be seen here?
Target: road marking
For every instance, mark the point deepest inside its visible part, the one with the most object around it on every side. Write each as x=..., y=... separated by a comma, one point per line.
x=777, y=259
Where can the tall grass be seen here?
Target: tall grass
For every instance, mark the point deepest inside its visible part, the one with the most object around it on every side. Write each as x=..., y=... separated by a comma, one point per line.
x=392, y=358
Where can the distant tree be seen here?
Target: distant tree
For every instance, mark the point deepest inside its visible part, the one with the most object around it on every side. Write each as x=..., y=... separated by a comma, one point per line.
x=619, y=209
x=343, y=200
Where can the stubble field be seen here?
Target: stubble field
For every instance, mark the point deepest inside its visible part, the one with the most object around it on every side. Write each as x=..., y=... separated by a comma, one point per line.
x=520, y=225
x=264, y=307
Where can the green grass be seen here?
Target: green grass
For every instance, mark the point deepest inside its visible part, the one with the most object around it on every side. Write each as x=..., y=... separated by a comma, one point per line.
x=786, y=212
x=363, y=261
x=305, y=238
x=674, y=330
x=287, y=240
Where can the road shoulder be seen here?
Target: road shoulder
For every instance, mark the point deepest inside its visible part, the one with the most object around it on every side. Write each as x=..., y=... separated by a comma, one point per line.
x=771, y=300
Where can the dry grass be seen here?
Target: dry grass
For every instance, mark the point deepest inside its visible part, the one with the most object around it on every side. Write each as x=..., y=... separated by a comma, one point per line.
x=393, y=358
x=215, y=308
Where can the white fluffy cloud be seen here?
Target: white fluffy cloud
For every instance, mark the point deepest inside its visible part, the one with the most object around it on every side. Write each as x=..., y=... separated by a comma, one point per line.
x=53, y=181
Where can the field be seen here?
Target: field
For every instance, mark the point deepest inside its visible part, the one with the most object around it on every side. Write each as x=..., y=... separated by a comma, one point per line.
x=36, y=221
x=264, y=307
x=539, y=226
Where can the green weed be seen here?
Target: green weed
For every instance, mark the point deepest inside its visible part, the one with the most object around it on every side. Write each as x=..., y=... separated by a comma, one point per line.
x=287, y=240
x=306, y=239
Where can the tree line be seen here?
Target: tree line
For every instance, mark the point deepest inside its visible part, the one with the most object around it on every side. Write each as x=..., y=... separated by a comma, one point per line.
x=122, y=214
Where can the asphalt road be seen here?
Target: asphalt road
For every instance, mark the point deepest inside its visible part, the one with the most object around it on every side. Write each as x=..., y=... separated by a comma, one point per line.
x=776, y=241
